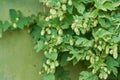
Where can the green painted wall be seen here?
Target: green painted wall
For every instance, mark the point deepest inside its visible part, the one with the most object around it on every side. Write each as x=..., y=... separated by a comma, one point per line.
x=18, y=60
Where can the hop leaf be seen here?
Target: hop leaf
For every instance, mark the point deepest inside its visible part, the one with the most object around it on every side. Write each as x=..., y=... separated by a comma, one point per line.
x=39, y=46
x=84, y=75
x=49, y=77
x=52, y=55
x=80, y=7
x=112, y=65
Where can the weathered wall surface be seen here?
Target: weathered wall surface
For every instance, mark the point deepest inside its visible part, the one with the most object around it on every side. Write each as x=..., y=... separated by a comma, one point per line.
x=18, y=60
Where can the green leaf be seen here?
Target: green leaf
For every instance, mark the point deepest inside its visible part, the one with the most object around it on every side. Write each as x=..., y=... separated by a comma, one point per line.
x=104, y=23
x=105, y=16
x=39, y=46
x=70, y=9
x=80, y=7
x=118, y=59
x=77, y=55
x=85, y=75
x=115, y=39
x=102, y=33
x=112, y=64
x=21, y=23
x=116, y=3
x=13, y=14
x=94, y=13
x=80, y=41
x=83, y=42
x=36, y=32
x=49, y=76
x=100, y=4
x=67, y=22
x=52, y=55
x=109, y=6
x=65, y=26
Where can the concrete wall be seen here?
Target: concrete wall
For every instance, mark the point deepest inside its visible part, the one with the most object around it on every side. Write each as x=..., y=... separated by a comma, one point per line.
x=18, y=60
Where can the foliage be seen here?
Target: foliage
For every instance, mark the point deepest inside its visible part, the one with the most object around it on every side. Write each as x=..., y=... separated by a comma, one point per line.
x=87, y=76
x=74, y=30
